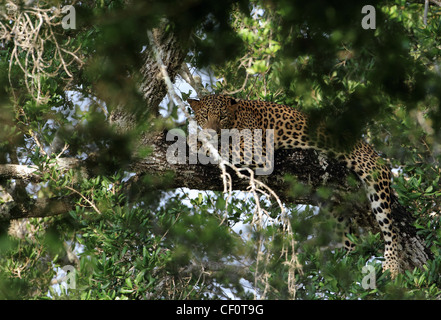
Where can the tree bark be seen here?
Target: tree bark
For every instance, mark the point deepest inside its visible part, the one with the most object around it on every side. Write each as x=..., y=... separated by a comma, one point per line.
x=153, y=86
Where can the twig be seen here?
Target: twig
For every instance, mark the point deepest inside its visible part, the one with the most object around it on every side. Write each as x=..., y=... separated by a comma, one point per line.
x=34, y=136
x=85, y=199
x=426, y=9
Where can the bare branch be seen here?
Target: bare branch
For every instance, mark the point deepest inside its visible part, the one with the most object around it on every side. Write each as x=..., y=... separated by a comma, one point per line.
x=30, y=173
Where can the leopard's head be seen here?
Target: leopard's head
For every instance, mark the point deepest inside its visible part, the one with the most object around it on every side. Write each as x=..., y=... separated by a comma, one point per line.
x=214, y=112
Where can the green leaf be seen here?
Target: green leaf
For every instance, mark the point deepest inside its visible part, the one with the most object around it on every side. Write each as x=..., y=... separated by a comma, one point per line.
x=129, y=283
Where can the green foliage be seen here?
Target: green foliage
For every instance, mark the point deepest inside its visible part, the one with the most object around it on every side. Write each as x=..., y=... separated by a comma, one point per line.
x=382, y=84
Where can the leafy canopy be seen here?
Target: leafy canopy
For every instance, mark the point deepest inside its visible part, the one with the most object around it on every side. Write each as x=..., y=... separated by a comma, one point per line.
x=383, y=84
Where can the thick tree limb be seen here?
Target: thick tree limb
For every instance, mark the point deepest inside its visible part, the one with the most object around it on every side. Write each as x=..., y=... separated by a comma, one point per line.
x=308, y=168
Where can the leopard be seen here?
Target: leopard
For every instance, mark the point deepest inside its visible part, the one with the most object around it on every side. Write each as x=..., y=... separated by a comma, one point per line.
x=291, y=128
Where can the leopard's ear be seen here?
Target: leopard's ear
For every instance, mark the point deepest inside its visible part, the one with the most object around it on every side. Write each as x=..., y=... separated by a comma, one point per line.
x=194, y=104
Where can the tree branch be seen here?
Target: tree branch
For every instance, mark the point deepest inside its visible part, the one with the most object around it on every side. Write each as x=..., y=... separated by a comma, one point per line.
x=36, y=208
x=304, y=165
x=30, y=173
x=307, y=167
